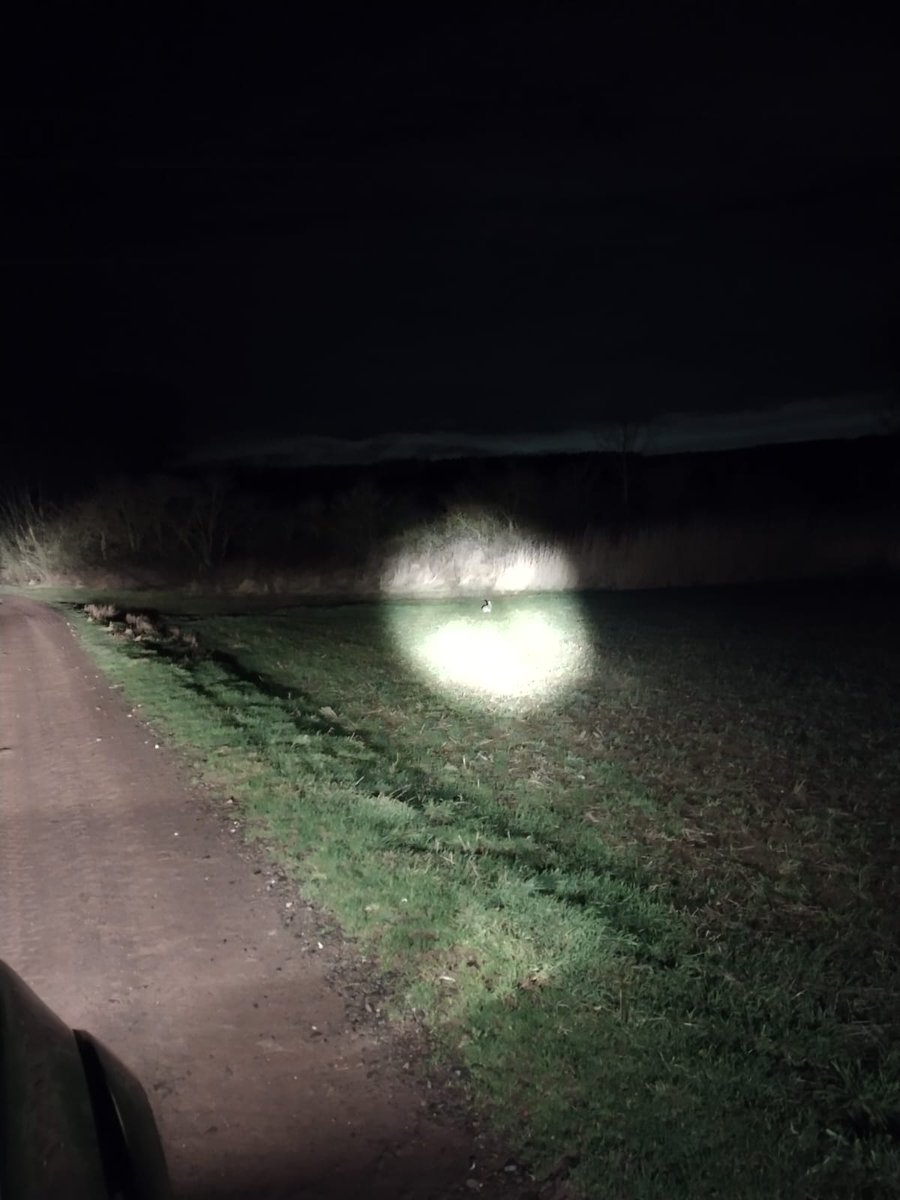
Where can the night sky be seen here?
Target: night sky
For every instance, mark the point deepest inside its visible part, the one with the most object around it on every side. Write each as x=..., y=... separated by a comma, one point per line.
x=233, y=224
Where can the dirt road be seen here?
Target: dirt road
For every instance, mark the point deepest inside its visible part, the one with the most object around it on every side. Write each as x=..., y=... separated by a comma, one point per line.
x=131, y=910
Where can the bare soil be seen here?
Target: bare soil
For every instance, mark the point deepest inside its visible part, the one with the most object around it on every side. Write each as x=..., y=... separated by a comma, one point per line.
x=134, y=911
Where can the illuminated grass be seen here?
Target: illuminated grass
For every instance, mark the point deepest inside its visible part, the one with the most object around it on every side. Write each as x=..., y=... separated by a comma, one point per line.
x=652, y=918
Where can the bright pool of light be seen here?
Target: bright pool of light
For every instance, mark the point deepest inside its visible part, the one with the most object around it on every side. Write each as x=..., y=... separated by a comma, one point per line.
x=515, y=652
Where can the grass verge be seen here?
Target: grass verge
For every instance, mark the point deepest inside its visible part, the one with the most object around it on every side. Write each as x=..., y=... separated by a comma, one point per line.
x=652, y=916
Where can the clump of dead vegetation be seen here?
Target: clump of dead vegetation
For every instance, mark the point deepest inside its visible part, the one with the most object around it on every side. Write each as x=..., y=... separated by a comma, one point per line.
x=148, y=627
x=102, y=614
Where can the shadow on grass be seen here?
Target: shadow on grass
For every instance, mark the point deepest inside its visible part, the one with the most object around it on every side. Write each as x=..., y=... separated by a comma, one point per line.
x=563, y=865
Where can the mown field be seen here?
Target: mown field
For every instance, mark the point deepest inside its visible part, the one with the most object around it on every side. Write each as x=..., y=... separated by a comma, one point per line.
x=652, y=914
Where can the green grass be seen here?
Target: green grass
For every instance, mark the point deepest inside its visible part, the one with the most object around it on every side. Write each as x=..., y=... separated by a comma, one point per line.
x=652, y=916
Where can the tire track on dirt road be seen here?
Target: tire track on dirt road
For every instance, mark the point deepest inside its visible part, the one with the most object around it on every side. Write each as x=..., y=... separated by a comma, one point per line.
x=127, y=907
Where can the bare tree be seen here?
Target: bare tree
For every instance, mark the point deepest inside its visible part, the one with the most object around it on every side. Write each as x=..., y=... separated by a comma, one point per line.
x=33, y=542
x=204, y=530
x=624, y=437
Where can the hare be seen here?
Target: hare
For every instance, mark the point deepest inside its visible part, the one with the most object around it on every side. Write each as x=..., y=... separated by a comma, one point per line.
x=486, y=607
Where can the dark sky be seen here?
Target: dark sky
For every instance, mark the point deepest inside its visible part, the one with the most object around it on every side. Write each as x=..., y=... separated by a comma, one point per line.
x=235, y=221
